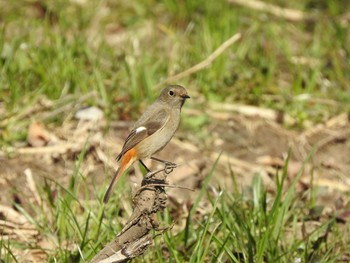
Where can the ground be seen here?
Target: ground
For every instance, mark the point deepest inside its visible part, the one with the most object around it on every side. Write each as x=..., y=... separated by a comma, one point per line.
x=263, y=146
x=247, y=146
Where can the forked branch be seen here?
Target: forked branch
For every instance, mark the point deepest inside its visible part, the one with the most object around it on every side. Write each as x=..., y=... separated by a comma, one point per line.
x=136, y=236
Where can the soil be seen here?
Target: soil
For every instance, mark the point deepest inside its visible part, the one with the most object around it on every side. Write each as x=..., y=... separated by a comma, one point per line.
x=249, y=145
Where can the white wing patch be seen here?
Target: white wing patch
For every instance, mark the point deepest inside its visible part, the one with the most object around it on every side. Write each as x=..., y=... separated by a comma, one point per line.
x=140, y=129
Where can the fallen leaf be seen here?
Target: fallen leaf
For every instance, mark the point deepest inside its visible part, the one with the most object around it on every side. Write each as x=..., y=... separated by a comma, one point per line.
x=37, y=135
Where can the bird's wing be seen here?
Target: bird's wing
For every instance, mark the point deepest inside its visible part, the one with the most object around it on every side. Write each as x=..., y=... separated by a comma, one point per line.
x=144, y=129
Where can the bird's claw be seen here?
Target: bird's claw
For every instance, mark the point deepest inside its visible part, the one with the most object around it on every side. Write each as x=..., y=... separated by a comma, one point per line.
x=169, y=167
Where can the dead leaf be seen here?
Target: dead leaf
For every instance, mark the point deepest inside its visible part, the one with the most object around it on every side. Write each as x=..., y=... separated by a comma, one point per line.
x=37, y=135
x=344, y=216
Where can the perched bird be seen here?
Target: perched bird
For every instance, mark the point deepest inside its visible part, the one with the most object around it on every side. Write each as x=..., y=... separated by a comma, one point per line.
x=152, y=132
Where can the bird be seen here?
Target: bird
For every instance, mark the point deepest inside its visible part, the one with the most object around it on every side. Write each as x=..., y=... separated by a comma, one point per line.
x=151, y=132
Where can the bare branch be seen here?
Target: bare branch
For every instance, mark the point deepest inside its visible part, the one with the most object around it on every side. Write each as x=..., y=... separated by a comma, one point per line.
x=136, y=237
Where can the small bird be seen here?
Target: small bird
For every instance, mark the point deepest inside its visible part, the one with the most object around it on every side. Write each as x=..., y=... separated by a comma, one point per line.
x=152, y=132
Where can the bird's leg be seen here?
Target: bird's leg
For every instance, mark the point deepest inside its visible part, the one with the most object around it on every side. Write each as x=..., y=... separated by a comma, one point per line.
x=148, y=170
x=169, y=166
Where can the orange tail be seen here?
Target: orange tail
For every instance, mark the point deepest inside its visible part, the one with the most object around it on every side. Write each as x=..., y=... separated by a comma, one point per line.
x=126, y=161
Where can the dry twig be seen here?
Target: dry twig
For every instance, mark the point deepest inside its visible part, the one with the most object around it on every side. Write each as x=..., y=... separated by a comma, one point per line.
x=15, y=226
x=285, y=13
x=251, y=111
x=32, y=186
x=136, y=236
x=205, y=63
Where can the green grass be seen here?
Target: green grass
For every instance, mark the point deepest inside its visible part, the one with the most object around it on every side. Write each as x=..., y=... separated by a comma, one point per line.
x=238, y=227
x=118, y=51
x=64, y=51
x=259, y=228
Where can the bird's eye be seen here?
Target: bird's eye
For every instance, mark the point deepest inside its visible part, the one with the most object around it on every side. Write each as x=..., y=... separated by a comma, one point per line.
x=171, y=93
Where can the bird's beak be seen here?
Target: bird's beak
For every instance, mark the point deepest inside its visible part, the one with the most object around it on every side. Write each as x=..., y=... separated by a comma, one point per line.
x=185, y=96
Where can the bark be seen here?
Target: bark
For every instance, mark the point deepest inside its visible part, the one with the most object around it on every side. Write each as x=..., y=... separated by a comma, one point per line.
x=136, y=236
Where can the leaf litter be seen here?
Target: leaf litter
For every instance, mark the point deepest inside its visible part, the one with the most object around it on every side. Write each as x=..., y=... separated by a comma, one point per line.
x=250, y=144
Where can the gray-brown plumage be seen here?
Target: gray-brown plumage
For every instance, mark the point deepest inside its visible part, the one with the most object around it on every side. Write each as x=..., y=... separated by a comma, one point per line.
x=152, y=131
